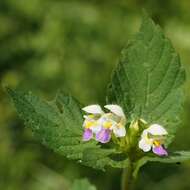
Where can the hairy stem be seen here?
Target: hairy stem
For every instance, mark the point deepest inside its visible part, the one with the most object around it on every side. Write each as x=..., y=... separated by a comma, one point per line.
x=127, y=182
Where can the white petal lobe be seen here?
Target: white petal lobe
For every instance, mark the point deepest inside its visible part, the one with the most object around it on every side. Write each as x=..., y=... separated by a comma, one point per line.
x=119, y=131
x=93, y=109
x=157, y=129
x=144, y=146
x=96, y=129
x=116, y=110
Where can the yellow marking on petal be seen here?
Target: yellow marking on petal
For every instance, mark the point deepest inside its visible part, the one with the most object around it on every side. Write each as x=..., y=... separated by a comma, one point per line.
x=156, y=143
x=107, y=124
x=89, y=124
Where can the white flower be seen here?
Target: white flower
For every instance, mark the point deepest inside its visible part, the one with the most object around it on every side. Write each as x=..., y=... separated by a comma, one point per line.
x=116, y=120
x=153, y=138
x=90, y=124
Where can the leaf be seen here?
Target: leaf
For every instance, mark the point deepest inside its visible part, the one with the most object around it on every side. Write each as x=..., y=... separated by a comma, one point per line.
x=82, y=184
x=147, y=81
x=99, y=158
x=58, y=125
x=176, y=157
x=59, y=131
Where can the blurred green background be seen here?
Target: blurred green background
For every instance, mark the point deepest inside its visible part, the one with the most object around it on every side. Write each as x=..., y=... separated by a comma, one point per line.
x=46, y=45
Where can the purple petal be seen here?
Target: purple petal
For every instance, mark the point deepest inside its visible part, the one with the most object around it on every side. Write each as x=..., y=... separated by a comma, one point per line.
x=103, y=136
x=159, y=150
x=87, y=135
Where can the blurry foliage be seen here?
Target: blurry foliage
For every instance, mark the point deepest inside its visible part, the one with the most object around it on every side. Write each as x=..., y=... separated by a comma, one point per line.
x=46, y=45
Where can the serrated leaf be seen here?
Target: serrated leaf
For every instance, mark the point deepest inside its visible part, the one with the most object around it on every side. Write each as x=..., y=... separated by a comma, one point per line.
x=58, y=125
x=147, y=81
x=60, y=131
x=82, y=184
x=176, y=157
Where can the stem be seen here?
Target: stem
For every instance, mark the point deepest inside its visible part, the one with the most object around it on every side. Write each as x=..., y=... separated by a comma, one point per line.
x=127, y=182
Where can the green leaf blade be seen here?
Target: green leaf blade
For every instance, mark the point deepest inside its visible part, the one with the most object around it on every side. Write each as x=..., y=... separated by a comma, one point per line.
x=61, y=132
x=58, y=125
x=147, y=81
x=176, y=157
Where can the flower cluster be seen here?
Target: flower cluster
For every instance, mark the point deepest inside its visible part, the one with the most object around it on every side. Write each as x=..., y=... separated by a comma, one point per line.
x=102, y=125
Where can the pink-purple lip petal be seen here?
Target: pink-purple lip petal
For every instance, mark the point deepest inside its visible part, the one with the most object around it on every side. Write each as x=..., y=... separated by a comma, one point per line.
x=160, y=151
x=87, y=135
x=103, y=136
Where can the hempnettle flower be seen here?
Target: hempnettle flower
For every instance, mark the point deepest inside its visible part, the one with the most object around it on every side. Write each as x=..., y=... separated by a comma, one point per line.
x=153, y=138
x=102, y=125
x=91, y=124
